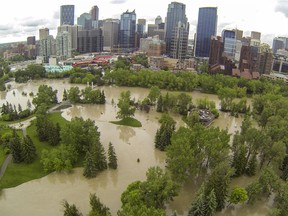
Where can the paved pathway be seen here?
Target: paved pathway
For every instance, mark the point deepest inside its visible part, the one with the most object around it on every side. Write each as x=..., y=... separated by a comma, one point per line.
x=5, y=164
x=23, y=125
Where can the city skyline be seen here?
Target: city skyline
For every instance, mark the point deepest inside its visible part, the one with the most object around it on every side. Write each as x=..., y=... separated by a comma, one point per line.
x=17, y=23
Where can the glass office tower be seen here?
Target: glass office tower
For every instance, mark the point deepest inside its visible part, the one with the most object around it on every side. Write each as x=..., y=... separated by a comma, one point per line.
x=127, y=31
x=175, y=14
x=67, y=15
x=206, y=27
x=229, y=40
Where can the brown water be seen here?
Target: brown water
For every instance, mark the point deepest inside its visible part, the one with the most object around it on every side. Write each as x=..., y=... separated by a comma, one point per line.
x=44, y=196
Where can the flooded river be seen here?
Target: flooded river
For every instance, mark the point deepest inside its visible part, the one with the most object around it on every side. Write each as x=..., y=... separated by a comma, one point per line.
x=44, y=196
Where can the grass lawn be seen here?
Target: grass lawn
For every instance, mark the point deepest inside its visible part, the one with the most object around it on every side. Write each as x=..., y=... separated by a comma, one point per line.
x=17, y=174
x=128, y=122
x=16, y=121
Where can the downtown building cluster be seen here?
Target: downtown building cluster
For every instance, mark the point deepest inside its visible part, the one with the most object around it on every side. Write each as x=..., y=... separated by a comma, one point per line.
x=230, y=53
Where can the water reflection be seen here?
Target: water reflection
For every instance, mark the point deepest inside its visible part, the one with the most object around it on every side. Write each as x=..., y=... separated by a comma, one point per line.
x=126, y=133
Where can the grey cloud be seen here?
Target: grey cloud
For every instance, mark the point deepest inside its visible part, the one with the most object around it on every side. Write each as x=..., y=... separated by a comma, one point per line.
x=4, y=27
x=31, y=22
x=118, y=1
x=282, y=7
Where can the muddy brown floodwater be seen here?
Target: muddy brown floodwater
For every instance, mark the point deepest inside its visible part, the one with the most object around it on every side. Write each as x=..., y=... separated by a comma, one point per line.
x=44, y=196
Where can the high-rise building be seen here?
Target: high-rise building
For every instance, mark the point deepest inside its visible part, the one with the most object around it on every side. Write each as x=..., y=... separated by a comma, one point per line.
x=90, y=41
x=255, y=35
x=179, y=41
x=94, y=13
x=64, y=45
x=43, y=33
x=127, y=31
x=175, y=14
x=85, y=21
x=47, y=47
x=265, y=60
x=158, y=20
x=216, y=50
x=229, y=41
x=73, y=31
x=278, y=43
x=206, y=27
x=141, y=26
x=31, y=40
x=110, y=33
x=238, y=33
x=67, y=14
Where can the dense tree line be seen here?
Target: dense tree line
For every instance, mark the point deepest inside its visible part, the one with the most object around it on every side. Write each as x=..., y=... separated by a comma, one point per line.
x=86, y=96
x=11, y=113
x=33, y=71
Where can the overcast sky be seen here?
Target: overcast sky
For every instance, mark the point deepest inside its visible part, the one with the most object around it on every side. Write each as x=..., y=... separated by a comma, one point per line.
x=19, y=19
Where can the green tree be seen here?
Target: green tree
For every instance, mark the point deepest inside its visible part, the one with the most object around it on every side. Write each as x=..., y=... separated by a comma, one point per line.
x=154, y=93
x=204, y=204
x=112, y=158
x=198, y=207
x=124, y=104
x=90, y=169
x=70, y=210
x=16, y=148
x=98, y=152
x=164, y=134
x=28, y=150
x=97, y=208
x=65, y=95
x=59, y=159
x=254, y=191
x=74, y=95
x=238, y=195
x=219, y=181
x=148, y=197
x=45, y=95
x=159, y=106
x=81, y=134
x=158, y=188
x=184, y=101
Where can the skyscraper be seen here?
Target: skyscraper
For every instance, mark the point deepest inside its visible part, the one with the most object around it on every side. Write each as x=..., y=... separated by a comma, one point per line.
x=179, y=41
x=63, y=45
x=90, y=41
x=229, y=41
x=73, y=31
x=158, y=20
x=94, y=13
x=110, y=33
x=67, y=14
x=175, y=14
x=43, y=33
x=85, y=21
x=127, y=31
x=206, y=27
